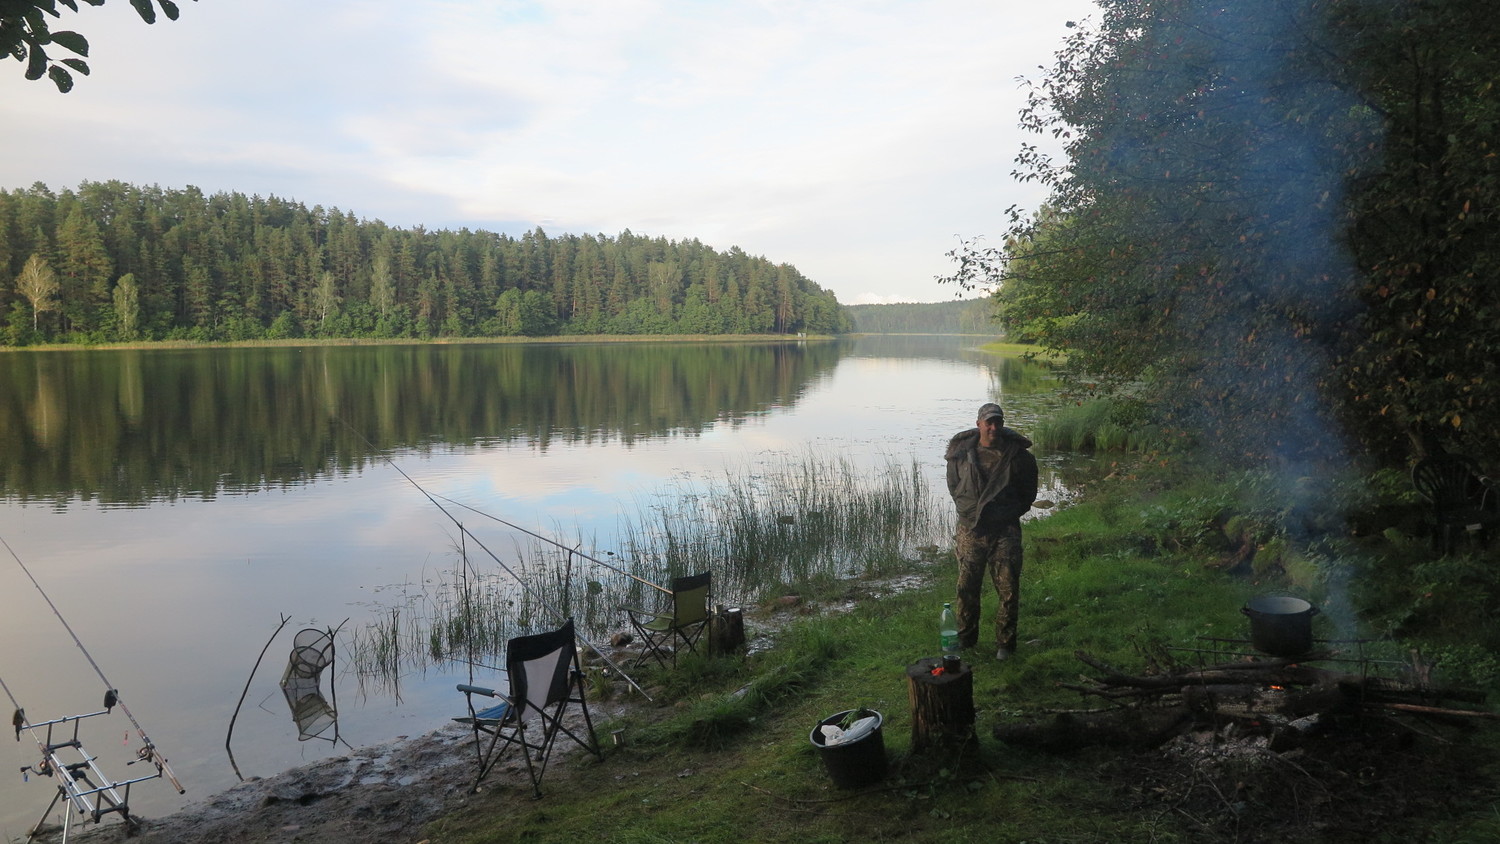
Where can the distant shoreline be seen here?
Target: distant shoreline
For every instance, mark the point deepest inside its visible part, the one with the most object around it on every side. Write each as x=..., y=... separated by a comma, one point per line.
x=415, y=341
x=1001, y=348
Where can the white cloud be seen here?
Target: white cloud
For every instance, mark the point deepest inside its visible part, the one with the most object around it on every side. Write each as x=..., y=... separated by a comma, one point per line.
x=852, y=139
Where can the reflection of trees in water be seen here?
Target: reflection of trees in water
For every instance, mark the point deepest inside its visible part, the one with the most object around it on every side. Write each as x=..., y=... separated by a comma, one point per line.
x=132, y=426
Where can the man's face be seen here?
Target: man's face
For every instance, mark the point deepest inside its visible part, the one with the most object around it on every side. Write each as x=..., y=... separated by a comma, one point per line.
x=989, y=430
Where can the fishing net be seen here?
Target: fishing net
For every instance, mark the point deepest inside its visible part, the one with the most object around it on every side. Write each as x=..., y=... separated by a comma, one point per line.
x=312, y=651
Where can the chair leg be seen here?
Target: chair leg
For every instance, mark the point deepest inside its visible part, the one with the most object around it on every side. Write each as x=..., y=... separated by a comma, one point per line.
x=588, y=721
x=536, y=780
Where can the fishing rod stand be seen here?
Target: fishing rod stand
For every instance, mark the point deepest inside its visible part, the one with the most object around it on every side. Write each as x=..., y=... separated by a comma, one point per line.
x=81, y=784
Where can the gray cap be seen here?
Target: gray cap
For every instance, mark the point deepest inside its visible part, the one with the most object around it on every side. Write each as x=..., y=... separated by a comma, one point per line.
x=989, y=409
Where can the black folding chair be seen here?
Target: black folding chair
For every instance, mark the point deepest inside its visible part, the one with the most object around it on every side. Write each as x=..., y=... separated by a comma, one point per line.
x=684, y=621
x=545, y=680
x=1460, y=496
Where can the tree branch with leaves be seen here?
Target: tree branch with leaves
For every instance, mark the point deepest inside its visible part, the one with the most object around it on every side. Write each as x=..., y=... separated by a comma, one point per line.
x=26, y=35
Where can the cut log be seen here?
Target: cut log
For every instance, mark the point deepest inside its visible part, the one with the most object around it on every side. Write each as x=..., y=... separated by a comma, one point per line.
x=1138, y=729
x=726, y=631
x=942, y=705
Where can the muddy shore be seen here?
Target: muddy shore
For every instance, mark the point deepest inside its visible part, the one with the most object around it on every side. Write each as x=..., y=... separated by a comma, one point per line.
x=381, y=793
x=390, y=792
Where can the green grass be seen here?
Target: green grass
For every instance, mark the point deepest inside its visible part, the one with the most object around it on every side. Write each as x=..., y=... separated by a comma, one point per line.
x=1131, y=573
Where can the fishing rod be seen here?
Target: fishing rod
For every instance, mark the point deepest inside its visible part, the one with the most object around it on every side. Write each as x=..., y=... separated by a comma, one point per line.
x=148, y=751
x=552, y=541
x=468, y=533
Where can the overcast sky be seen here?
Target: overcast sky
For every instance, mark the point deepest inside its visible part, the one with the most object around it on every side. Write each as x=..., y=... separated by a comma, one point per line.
x=855, y=140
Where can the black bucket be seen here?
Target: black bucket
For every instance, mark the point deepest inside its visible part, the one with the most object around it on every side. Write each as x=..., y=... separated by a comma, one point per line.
x=858, y=763
x=1280, y=626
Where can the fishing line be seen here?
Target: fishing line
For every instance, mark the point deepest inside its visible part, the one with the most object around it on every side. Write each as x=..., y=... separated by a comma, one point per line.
x=477, y=541
x=535, y=535
x=148, y=748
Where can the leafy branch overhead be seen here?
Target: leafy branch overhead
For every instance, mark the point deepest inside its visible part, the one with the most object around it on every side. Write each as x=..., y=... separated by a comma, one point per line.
x=25, y=35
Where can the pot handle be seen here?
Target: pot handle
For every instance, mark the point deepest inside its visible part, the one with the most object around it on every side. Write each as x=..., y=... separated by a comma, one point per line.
x=1312, y=611
x=1245, y=610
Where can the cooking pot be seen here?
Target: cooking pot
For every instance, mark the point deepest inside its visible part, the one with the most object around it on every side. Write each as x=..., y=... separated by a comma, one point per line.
x=1280, y=626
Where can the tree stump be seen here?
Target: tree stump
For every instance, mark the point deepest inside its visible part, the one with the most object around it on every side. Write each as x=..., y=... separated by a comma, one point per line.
x=726, y=631
x=942, y=705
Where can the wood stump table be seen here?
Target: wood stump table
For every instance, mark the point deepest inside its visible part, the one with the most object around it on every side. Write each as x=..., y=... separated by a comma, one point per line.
x=726, y=631
x=942, y=705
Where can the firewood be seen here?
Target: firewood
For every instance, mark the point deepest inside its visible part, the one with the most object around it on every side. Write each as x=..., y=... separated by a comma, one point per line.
x=1437, y=710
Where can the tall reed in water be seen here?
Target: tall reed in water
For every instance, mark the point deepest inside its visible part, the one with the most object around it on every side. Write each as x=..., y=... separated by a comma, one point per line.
x=785, y=523
x=758, y=529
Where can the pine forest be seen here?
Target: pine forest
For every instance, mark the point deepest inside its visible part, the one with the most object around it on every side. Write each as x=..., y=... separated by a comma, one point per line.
x=112, y=262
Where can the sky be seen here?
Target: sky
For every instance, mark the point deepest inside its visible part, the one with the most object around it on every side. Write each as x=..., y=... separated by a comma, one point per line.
x=857, y=141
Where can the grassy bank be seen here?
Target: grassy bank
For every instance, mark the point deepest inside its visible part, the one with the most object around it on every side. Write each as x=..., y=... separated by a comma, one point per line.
x=1133, y=570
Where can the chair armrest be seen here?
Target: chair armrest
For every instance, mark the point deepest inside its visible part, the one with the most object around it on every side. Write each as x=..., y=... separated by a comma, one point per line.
x=477, y=690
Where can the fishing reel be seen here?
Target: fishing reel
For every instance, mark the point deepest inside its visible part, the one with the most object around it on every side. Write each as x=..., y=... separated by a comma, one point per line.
x=41, y=769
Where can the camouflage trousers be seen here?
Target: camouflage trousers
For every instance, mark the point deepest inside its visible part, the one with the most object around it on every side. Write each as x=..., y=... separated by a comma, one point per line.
x=998, y=550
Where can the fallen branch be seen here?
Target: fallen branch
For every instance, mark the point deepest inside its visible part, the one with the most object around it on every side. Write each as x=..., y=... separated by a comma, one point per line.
x=1438, y=710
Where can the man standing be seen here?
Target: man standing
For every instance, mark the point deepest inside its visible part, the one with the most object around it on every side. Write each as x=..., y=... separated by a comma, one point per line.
x=992, y=478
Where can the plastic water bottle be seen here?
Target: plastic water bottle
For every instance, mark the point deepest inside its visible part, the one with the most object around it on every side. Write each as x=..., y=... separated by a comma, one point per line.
x=948, y=630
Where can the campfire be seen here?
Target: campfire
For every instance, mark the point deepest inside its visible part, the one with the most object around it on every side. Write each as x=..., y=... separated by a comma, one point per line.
x=1281, y=684
x=1225, y=686
x=1289, y=745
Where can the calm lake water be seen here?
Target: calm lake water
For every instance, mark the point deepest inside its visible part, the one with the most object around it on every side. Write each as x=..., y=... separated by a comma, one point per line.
x=175, y=505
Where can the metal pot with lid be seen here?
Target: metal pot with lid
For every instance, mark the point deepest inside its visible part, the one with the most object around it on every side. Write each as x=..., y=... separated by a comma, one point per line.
x=1279, y=625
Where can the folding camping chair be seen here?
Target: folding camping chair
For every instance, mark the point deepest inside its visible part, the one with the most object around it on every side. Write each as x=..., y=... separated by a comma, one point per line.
x=545, y=677
x=686, y=620
x=1460, y=497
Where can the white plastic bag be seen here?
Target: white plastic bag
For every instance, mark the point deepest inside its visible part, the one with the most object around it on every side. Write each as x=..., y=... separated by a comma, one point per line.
x=859, y=729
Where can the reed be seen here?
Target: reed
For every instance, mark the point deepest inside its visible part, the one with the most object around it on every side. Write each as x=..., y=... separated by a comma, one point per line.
x=786, y=523
x=800, y=521
x=1099, y=425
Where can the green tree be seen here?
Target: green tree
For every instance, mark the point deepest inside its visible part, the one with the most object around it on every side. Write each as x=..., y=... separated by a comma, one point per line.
x=83, y=268
x=38, y=283
x=536, y=316
x=325, y=300
x=382, y=287
x=127, y=301
x=1196, y=242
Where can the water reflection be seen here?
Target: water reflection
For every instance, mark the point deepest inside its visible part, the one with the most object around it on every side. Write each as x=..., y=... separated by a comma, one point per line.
x=132, y=427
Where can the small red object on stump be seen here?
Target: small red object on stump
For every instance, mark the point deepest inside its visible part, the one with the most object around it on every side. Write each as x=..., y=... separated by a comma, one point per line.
x=942, y=704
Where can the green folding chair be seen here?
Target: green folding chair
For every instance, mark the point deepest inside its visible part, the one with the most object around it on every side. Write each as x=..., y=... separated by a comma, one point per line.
x=683, y=623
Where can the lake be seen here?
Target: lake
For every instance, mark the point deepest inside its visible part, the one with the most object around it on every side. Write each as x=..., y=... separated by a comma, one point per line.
x=175, y=505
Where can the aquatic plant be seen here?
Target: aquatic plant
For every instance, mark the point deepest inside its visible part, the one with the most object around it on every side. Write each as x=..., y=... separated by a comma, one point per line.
x=812, y=519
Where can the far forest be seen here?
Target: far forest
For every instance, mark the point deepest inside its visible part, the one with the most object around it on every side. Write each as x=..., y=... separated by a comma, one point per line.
x=112, y=262
x=961, y=316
